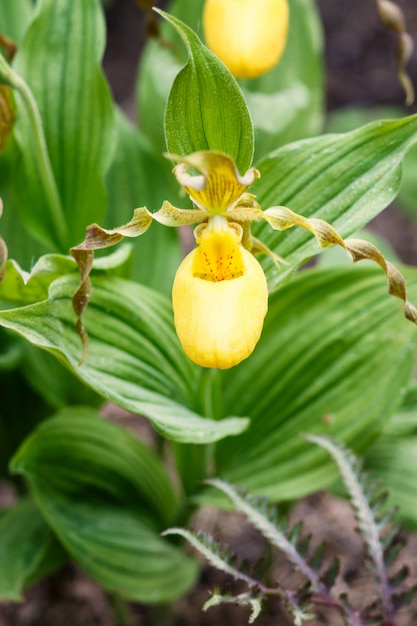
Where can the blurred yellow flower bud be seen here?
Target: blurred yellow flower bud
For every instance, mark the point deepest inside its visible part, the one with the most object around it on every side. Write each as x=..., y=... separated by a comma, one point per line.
x=220, y=297
x=249, y=36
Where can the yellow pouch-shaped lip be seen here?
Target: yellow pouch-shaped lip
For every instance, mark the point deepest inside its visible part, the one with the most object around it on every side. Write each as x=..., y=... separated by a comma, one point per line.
x=249, y=36
x=219, y=322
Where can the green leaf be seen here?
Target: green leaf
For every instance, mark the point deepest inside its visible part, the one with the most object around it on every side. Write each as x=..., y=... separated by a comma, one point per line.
x=135, y=359
x=21, y=408
x=107, y=497
x=188, y=11
x=28, y=550
x=206, y=109
x=351, y=117
x=408, y=190
x=344, y=179
x=20, y=287
x=21, y=245
x=61, y=191
x=393, y=460
x=404, y=421
x=158, y=69
x=40, y=368
x=100, y=456
x=15, y=15
x=135, y=179
x=334, y=358
x=286, y=103
x=11, y=350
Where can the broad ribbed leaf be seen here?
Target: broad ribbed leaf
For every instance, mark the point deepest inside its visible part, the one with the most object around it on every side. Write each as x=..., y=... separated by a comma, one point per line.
x=28, y=550
x=11, y=350
x=107, y=498
x=20, y=287
x=135, y=358
x=404, y=421
x=408, y=192
x=349, y=118
x=39, y=368
x=21, y=409
x=334, y=358
x=59, y=59
x=78, y=450
x=206, y=109
x=344, y=179
x=15, y=15
x=136, y=179
x=21, y=245
x=393, y=460
x=158, y=69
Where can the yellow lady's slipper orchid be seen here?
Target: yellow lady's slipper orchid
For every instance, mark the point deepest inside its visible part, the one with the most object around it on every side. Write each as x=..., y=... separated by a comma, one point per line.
x=220, y=294
x=249, y=36
x=220, y=297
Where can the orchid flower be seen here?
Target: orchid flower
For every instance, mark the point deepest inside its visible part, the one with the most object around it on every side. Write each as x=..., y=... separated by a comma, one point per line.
x=220, y=295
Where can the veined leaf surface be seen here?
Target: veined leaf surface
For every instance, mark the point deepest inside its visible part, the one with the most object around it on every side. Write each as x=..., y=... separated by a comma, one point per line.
x=107, y=497
x=135, y=358
x=335, y=358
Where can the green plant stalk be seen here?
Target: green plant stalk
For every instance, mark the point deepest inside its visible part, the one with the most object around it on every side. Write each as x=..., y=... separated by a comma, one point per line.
x=9, y=77
x=194, y=463
x=162, y=615
x=120, y=610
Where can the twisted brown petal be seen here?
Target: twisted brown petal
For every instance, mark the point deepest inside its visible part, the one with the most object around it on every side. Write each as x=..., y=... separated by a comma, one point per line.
x=393, y=18
x=281, y=218
x=97, y=237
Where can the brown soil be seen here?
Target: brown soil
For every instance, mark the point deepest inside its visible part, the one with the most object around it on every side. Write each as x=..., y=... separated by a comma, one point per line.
x=70, y=598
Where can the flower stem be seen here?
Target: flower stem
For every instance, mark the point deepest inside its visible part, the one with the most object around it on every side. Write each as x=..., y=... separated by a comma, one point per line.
x=56, y=212
x=120, y=610
x=162, y=615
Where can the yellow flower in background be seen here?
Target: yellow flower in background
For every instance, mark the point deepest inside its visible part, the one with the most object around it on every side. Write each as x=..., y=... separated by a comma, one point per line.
x=249, y=36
